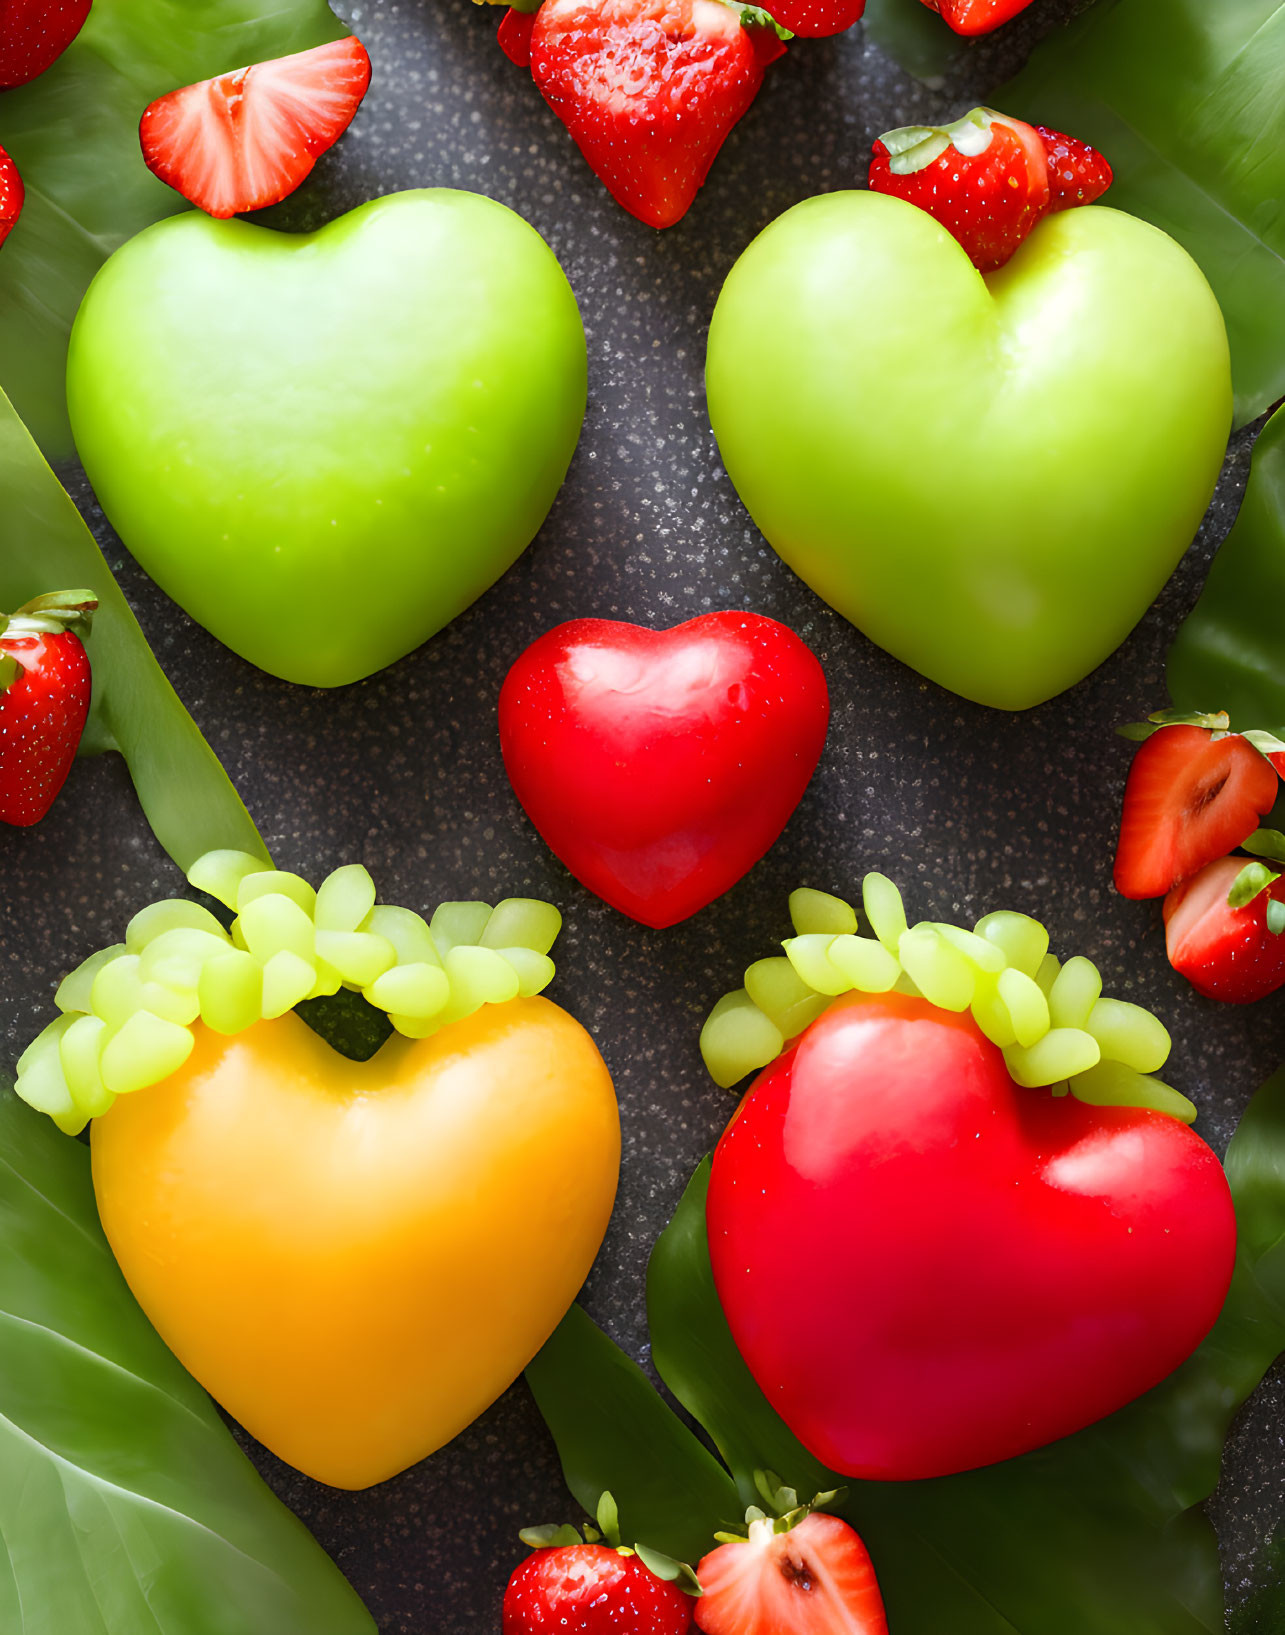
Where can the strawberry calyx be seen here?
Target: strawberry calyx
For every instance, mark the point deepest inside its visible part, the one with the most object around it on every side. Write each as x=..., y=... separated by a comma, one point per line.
x=912, y=148
x=1055, y=1027
x=554, y=1536
x=783, y=1511
x=128, y=1010
x=1256, y=877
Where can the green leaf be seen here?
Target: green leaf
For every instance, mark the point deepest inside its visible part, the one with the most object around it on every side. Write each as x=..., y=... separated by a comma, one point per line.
x=124, y=1504
x=188, y=798
x=1275, y=917
x=73, y=134
x=1184, y=99
x=913, y=37
x=1230, y=651
x=614, y=1431
x=1266, y=843
x=1252, y=881
x=1097, y=1532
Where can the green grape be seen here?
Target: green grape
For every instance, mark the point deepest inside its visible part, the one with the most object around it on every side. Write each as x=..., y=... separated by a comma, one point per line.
x=458, y=924
x=1129, y=1034
x=328, y=980
x=358, y=956
x=1024, y=940
x=1075, y=991
x=287, y=979
x=143, y=1050
x=275, y=924
x=535, y=971
x=176, y=1004
x=221, y=873
x=864, y=963
x=408, y=932
x=231, y=992
x=118, y=990
x=1026, y=1005
x=176, y=958
x=41, y=1082
x=79, y=1051
x=76, y=987
x=812, y=912
x=1112, y=1084
x=941, y=973
x=479, y=976
x=789, y=1003
x=807, y=955
x=884, y=909
x=173, y=914
x=276, y=883
x=345, y=899
x=738, y=1039
x=411, y=990
x=1047, y=974
x=522, y=922
x=984, y=956
x=991, y=1014
x=1061, y=1054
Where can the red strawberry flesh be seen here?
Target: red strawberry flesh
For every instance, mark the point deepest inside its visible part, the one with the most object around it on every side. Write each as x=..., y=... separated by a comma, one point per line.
x=817, y=19
x=977, y=16
x=12, y=195
x=1078, y=174
x=248, y=138
x=1190, y=798
x=42, y=716
x=1224, y=952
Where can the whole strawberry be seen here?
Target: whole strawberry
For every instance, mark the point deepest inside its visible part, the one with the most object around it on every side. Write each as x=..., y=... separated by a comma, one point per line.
x=44, y=700
x=988, y=179
x=34, y=34
x=976, y=16
x=649, y=89
x=1225, y=930
x=12, y=195
x=594, y=1586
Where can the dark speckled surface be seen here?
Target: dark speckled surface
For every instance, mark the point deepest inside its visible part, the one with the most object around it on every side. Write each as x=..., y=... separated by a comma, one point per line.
x=968, y=809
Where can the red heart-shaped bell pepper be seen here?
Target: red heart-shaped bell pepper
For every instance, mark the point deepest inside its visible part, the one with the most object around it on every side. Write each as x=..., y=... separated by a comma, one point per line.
x=928, y=1268
x=660, y=765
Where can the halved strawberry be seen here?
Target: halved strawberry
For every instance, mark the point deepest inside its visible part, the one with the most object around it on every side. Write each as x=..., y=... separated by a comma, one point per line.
x=988, y=179
x=976, y=16
x=1191, y=797
x=1225, y=953
x=34, y=34
x=249, y=138
x=814, y=1579
x=650, y=89
x=12, y=195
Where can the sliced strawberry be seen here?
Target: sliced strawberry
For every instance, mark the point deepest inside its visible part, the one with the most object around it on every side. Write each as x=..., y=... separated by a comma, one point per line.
x=988, y=179
x=1078, y=174
x=650, y=89
x=515, y=36
x=12, y=195
x=1224, y=952
x=977, y=16
x=249, y=138
x=1191, y=797
x=591, y=1589
x=816, y=19
x=45, y=688
x=815, y=1579
x=34, y=34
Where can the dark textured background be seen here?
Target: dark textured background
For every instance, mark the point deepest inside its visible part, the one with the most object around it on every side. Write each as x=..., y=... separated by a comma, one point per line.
x=968, y=809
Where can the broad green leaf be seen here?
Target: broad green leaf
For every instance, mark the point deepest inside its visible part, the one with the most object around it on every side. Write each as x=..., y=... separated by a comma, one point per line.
x=1230, y=651
x=188, y=798
x=913, y=37
x=615, y=1433
x=125, y=1505
x=1184, y=98
x=73, y=134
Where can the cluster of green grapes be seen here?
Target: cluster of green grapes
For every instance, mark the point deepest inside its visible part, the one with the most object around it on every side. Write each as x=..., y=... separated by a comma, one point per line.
x=1050, y=1019
x=128, y=1010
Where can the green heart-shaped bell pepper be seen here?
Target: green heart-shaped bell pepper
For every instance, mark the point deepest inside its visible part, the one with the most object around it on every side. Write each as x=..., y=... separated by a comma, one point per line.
x=325, y=446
